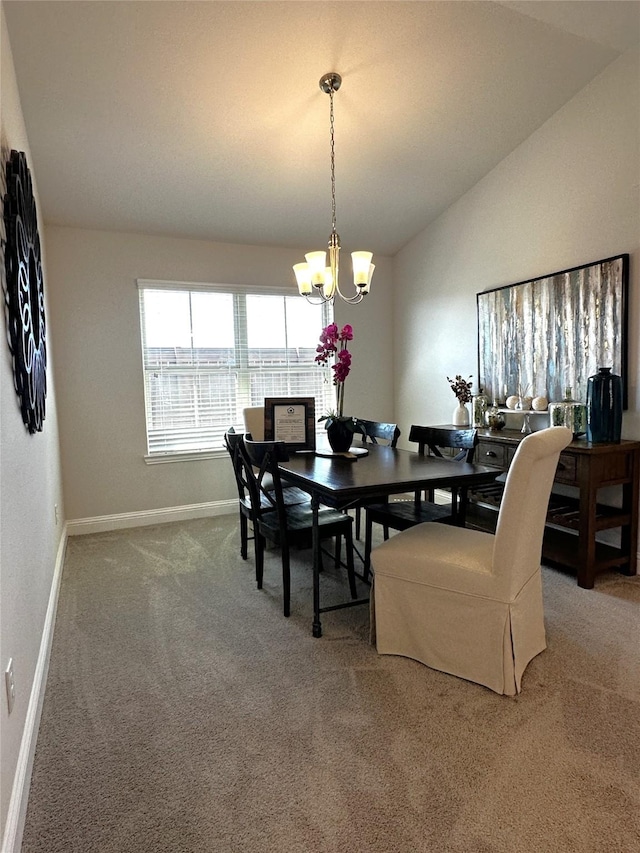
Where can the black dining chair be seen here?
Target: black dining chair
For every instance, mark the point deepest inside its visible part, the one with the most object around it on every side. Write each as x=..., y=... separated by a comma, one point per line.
x=400, y=515
x=291, y=495
x=374, y=432
x=287, y=525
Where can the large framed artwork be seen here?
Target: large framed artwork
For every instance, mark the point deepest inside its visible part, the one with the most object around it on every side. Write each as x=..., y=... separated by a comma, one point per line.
x=542, y=336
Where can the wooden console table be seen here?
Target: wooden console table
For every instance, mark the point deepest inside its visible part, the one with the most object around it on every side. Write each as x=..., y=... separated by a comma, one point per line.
x=574, y=521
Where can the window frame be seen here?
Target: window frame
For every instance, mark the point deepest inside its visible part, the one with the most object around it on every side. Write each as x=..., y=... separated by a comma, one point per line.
x=241, y=351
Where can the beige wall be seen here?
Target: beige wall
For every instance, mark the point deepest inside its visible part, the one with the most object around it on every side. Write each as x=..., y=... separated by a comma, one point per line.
x=567, y=196
x=30, y=486
x=99, y=367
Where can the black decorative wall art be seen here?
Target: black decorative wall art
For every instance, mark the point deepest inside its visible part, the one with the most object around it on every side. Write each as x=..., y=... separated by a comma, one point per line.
x=24, y=295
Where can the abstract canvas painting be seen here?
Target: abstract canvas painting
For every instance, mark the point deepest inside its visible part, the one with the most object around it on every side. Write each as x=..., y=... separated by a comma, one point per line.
x=553, y=332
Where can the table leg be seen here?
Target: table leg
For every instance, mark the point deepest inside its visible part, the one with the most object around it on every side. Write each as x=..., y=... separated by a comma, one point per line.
x=586, y=569
x=317, y=626
x=629, y=532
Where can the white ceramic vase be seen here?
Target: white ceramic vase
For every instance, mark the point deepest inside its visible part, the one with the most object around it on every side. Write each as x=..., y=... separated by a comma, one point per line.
x=461, y=415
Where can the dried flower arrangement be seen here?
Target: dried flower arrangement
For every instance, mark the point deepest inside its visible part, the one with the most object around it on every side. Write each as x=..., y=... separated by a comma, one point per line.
x=461, y=388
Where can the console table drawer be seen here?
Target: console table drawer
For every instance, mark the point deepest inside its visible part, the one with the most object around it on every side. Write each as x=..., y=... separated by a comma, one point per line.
x=491, y=453
x=566, y=472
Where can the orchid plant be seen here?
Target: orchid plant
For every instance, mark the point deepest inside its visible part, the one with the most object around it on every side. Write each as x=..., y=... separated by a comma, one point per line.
x=333, y=342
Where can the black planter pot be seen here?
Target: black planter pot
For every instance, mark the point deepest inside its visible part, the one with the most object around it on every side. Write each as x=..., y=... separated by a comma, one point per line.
x=340, y=434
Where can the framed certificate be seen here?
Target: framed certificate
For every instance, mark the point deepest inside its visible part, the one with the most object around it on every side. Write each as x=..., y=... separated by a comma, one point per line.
x=292, y=420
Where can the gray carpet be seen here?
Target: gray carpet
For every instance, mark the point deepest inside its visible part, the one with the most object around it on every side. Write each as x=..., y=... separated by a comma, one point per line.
x=183, y=712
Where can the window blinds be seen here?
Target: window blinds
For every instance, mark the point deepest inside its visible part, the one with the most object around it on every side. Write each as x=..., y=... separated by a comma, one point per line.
x=208, y=352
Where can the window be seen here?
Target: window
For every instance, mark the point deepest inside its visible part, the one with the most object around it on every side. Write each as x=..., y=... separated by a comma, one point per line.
x=210, y=351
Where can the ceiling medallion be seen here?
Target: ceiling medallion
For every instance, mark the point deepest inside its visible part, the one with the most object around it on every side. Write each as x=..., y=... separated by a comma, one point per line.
x=24, y=294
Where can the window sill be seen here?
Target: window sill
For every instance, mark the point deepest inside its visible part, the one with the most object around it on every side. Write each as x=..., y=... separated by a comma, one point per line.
x=183, y=456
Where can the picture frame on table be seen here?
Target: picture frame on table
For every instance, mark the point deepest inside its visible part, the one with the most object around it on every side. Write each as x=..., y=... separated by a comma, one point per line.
x=292, y=420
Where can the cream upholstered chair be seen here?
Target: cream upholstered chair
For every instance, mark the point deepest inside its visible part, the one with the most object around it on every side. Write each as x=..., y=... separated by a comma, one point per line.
x=466, y=602
x=254, y=422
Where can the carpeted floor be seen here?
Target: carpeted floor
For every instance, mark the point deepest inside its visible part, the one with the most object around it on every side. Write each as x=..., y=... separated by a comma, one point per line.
x=185, y=714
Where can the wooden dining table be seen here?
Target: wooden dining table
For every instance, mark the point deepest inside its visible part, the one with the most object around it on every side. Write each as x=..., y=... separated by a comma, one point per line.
x=342, y=481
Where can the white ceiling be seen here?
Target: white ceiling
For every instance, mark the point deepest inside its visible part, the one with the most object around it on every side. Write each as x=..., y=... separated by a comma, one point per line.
x=205, y=120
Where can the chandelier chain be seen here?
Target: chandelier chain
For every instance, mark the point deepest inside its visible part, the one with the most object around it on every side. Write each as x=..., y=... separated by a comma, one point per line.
x=317, y=281
x=333, y=162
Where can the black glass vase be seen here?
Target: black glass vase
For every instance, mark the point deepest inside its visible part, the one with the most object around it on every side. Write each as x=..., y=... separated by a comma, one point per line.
x=604, y=407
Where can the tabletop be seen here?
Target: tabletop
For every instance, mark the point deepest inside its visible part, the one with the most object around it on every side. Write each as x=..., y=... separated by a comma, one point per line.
x=383, y=471
x=342, y=482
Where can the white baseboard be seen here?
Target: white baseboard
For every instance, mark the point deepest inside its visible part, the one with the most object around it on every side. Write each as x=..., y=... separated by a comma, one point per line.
x=14, y=827
x=142, y=518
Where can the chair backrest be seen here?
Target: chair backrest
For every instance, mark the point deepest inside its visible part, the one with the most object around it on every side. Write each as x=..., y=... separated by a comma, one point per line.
x=233, y=443
x=374, y=431
x=431, y=440
x=523, y=510
x=254, y=422
x=260, y=460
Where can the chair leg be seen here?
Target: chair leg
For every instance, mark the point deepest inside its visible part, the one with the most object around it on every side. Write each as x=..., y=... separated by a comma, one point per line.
x=244, y=536
x=338, y=550
x=385, y=531
x=258, y=543
x=368, y=536
x=350, y=570
x=462, y=507
x=454, y=505
x=286, y=579
x=357, y=522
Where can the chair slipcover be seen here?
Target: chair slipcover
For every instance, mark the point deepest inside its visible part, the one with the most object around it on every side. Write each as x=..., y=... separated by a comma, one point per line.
x=254, y=422
x=466, y=602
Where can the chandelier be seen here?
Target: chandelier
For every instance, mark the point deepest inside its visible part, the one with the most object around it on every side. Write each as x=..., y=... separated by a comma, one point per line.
x=314, y=277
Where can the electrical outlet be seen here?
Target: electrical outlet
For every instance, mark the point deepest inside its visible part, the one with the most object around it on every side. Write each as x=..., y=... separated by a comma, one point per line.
x=10, y=685
x=56, y=513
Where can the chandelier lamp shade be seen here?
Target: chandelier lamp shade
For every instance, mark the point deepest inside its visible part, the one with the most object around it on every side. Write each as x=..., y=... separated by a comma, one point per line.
x=318, y=281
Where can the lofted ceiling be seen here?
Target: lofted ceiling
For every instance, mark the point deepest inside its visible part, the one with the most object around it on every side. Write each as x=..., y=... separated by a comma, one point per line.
x=204, y=119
